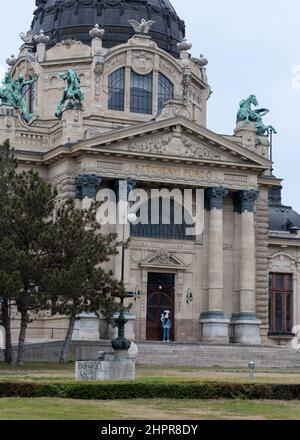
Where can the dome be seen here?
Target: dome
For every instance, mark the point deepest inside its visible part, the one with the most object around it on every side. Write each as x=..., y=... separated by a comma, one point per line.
x=70, y=19
x=281, y=218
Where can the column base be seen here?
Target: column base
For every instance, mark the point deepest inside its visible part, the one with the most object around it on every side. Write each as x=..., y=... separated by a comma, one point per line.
x=245, y=329
x=214, y=327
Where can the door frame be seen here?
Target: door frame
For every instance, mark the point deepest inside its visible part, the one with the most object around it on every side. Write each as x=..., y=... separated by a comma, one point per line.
x=171, y=272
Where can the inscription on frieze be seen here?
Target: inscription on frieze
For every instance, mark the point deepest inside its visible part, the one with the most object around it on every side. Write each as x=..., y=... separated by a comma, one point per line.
x=235, y=178
x=110, y=165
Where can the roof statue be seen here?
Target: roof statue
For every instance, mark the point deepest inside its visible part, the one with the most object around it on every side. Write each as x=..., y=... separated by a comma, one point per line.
x=12, y=94
x=73, y=94
x=248, y=114
x=142, y=27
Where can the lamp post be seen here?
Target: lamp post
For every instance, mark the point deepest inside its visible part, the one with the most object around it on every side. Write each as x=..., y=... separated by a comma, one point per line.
x=122, y=343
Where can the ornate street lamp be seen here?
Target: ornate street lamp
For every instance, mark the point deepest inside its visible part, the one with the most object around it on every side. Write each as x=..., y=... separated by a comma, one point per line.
x=122, y=343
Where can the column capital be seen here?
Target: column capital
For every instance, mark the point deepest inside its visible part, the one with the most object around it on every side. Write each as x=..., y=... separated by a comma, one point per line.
x=215, y=197
x=245, y=200
x=86, y=185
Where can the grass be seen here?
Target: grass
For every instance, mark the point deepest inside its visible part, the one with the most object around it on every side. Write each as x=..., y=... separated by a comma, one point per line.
x=46, y=372
x=142, y=409
x=64, y=409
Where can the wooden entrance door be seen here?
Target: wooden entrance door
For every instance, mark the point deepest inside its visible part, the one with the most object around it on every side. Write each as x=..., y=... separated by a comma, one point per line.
x=160, y=297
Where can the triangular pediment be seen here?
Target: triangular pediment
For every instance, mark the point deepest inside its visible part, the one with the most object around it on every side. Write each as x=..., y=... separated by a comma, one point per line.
x=163, y=259
x=176, y=139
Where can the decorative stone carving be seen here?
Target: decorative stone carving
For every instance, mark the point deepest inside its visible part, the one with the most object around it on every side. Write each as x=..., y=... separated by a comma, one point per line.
x=163, y=257
x=99, y=65
x=200, y=62
x=282, y=263
x=142, y=62
x=174, y=145
x=167, y=67
x=41, y=38
x=87, y=185
x=186, y=82
x=27, y=38
x=184, y=46
x=97, y=32
x=11, y=61
x=68, y=43
x=245, y=201
x=215, y=197
x=91, y=133
x=117, y=60
x=174, y=108
x=142, y=27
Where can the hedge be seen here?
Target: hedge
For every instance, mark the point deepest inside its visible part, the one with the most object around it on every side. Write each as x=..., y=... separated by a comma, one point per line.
x=139, y=390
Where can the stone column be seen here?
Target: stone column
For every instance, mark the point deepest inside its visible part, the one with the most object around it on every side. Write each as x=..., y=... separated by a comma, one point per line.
x=86, y=188
x=215, y=326
x=246, y=327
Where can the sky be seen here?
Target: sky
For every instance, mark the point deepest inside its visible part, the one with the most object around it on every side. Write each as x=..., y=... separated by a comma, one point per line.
x=252, y=48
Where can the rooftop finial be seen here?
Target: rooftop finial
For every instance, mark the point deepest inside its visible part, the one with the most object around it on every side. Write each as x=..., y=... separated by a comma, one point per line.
x=97, y=32
x=184, y=46
x=27, y=38
x=201, y=62
x=11, y=61
x=41, y=38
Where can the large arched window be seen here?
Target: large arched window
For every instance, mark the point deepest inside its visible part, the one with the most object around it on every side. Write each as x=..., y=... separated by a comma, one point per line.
x=165, y=91
x=141, y=93
x=116, y=90
x=170, y=225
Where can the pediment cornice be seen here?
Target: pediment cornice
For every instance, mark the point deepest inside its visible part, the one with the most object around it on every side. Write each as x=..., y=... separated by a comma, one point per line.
x=176, y=139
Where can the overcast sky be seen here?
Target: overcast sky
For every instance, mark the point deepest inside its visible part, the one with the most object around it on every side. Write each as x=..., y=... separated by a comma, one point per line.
x=252, y=48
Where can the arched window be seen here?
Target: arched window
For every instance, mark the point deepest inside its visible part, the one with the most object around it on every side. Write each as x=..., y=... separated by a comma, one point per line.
x=165, y=91
x=141, y=93
x=28, y=92
x=173, y=227
x=116, y=90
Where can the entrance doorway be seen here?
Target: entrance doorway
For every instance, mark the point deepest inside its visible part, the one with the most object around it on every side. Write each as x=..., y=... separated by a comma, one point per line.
x=160, y=297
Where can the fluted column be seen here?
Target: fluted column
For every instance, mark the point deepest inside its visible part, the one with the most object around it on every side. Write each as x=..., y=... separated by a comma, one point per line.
x=245, y=325
x=86, y=188
x=214, y=324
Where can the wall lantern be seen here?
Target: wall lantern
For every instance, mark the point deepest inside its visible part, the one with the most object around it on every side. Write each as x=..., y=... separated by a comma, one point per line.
x=189, y=296
x=137, y=293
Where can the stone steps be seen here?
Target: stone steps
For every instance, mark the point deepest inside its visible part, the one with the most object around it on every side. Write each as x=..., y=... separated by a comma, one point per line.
x=201, y=355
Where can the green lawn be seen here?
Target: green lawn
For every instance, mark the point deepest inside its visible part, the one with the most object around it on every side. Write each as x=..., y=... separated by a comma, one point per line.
x=63, y=409
x=45, y=372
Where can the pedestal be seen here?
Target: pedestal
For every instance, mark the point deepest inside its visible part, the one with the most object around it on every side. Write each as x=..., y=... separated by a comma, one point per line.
x=214, y=329
x=86, y=328
x=245, y=330
x=117, y=367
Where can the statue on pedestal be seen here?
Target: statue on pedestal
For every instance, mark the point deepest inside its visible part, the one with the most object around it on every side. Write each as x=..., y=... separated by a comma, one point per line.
x=12, y=94
x=73, y=93
x=247, y=114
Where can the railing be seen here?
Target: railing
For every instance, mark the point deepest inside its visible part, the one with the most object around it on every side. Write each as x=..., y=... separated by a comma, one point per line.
x=42, y=332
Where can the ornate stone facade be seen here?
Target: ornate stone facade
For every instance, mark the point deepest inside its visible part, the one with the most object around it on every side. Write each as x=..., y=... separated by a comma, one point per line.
x=219, y=278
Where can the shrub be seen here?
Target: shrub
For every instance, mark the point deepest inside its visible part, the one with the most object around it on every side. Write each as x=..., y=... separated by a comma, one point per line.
x=140, y=390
